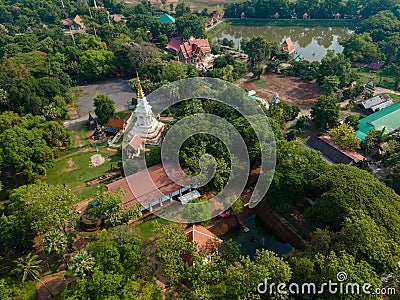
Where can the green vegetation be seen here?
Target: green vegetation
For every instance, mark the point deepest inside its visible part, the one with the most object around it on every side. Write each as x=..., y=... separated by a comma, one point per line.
x=385, y=81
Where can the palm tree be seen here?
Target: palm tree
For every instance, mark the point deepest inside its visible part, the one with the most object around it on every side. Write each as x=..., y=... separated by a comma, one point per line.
x=30, y=266
x=55, y=241
x=82, y=264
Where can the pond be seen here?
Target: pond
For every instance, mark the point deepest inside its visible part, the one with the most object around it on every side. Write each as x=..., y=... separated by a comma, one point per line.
x=258, y=237
x=312, y=42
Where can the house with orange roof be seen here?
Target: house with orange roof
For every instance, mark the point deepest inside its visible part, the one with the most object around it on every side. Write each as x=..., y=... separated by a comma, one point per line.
x=205, y=241
x=134, y=146
x=287, y=46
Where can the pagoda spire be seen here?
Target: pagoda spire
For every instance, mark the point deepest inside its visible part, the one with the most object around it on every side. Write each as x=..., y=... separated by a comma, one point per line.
x=140, y=94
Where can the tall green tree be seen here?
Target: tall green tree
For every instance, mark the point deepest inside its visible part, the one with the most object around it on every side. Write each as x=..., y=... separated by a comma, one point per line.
x=325, y=112
x=104, y=108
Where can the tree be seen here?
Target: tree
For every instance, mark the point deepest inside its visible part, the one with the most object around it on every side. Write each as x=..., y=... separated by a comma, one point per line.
x=190, y=25
x=329, y=85
x=55, y=241
x=237, y=206
x=374, y=137
x=353, y=121
x=361, y=48
x=257, y=48
x=319, y=269
x=334, y=64
x=47, y=208
x=171, y=244
x=96, y=64
x=30, y=266
x=344, y=137
x=82, y=264
x=104, y=108
x=110, y=209
x=173, y=71
x=325, y=112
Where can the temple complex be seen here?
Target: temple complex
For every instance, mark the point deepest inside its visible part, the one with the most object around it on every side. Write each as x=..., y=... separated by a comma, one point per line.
x=147, y=127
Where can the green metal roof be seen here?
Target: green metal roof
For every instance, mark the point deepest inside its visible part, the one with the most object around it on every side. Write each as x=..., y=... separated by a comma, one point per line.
x=387, y=118
x=166, y=18
x=252, y=97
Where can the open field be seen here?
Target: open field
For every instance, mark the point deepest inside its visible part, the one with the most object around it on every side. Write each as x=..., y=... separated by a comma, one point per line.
x=292, y=90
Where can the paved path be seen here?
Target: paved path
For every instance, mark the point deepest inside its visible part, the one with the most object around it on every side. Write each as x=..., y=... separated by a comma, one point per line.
x=117, y=89
x=380, y=90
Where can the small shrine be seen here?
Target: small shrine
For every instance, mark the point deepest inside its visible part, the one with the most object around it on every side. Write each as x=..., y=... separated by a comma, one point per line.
x=98, y=134
x=275, y=99
x=91, y=122
x=147, y=127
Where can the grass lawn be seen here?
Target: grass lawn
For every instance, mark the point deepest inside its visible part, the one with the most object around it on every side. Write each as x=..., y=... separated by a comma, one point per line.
x=74, y=170
x=147, y=227
x=379, y=80
x=73, y=166
x=395, y=97
x=260, y=83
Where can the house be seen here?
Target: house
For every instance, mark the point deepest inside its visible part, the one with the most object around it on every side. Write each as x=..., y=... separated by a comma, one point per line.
x=209, y=22
x=166, y=18
x=205, y=241
x=306, y=16
x=332, y=153
x=375, y=66
x=218, y=17
x=337, y=16
x=134, y=146
x=196, y=52
x=116, y=18
x=387, y=120
x=174, y=45
x=287, y=46
x=75, y=24
x=151, y=188
x=242, y=15
x=376, y=103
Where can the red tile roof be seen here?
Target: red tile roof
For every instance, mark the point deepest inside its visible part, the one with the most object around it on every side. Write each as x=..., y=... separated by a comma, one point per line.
x=174, y=44
x=288, y=46
x=192, y=48
x=116, y=123
x=144, y=189
x=136, y=142
x=201, y=235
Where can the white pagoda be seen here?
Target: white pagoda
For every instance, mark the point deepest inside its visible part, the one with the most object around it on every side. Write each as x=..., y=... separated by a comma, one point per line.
x=147, y=127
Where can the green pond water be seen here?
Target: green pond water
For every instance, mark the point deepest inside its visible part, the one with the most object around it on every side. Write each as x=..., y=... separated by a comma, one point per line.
x=312, y=42
x=259, y=237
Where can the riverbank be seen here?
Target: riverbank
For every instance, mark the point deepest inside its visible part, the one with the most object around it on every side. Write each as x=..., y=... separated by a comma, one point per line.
x=348, y=23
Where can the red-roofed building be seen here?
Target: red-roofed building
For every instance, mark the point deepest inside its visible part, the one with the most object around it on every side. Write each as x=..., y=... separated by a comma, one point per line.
x=210, y=22
x=205, y=240
x=150, y=188
x=196, y=52
x=174, y=45
x=288, y=46
x=118, y=124
x=217, y=17
x=134, y=146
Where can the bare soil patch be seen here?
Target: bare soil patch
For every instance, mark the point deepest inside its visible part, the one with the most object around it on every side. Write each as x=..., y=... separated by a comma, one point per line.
x=97, y=160
x=292, y=90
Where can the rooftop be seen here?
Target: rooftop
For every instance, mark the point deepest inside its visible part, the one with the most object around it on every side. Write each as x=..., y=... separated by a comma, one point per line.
x=145, y=186
x=387, y=119
x=166, y=18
